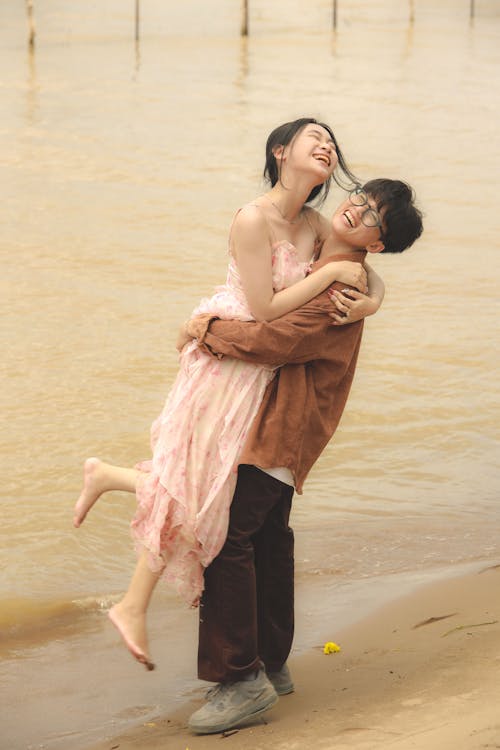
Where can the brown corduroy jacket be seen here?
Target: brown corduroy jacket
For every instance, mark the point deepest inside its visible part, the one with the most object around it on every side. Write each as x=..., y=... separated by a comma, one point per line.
x=303, y=404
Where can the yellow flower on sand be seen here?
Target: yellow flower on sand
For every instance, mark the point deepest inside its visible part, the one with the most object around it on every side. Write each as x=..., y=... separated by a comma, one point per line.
x=331, y=648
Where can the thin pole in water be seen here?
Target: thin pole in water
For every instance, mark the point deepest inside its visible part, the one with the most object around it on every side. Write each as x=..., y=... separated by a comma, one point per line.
x=137, y=20
x=31, y=23
x=334, y=14
x=244, y=19
x=412, y=11
x=472, y=8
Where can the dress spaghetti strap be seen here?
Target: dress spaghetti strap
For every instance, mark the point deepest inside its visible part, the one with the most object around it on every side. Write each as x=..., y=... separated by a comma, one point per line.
x=318, y=242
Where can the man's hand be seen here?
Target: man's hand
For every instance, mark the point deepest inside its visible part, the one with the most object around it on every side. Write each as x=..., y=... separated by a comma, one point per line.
x=350, y=272
x=183, y=337
x=351, y=306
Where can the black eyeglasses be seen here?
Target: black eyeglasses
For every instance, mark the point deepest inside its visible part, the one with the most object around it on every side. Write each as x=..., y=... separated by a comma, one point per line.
x=370, y=217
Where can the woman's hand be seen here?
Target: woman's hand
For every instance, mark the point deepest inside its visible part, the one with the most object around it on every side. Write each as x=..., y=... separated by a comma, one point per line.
x=347, y=272
x=352, y=306
x=183, y=337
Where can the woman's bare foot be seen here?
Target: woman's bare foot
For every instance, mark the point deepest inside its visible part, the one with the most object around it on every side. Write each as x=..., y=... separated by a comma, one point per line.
x=94, y=485
x=132, y=628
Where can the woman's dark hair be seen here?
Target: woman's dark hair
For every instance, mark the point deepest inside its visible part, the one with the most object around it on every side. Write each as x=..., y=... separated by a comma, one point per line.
x=282, y=136
x=402, y=219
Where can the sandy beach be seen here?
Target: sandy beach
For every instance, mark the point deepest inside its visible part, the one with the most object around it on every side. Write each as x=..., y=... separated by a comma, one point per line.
x=421, y=673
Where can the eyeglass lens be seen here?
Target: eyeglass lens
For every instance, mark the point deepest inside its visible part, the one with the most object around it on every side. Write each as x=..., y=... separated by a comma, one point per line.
x=370, y=217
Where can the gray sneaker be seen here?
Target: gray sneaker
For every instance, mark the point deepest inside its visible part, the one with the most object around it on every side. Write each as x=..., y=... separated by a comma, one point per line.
x=233, y=704
x=282, y=681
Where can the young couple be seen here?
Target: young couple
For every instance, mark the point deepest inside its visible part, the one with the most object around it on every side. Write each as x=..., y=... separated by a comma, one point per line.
x=265, y=370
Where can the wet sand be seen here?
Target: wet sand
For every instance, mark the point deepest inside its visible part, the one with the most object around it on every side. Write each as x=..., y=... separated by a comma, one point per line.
x=419, y=673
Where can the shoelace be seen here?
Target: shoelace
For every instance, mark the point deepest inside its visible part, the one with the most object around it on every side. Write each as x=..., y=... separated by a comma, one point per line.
x=216, y=690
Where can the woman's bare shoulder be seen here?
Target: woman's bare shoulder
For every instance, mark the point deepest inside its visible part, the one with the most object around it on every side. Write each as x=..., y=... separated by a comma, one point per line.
x=250, y=217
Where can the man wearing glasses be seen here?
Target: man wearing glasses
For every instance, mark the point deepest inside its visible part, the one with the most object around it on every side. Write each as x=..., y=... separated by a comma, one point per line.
x=247, y=610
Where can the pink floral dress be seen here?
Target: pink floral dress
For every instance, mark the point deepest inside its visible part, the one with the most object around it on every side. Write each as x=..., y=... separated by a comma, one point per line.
x=185, y=493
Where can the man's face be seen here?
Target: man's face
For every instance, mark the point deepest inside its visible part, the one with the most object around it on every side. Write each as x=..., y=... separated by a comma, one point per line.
x=358, y=222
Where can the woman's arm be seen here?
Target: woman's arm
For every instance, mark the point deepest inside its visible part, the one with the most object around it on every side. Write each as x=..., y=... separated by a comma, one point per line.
x=251, y=245
x=352, y=306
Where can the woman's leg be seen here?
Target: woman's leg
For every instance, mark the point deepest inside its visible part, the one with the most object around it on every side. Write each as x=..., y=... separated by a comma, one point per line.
x=129, y=615
x=99, y=477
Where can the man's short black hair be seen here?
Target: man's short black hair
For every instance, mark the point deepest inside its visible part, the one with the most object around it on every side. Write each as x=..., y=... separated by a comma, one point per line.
x=402, y=220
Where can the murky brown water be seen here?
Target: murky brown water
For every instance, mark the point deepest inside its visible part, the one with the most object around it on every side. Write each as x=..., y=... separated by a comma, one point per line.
x=122, y=167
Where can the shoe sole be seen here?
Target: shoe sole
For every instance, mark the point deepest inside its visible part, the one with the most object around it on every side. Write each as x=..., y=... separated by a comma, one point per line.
x=242, y=720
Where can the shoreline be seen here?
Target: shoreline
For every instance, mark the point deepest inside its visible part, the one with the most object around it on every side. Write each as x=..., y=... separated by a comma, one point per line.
x=420, y=672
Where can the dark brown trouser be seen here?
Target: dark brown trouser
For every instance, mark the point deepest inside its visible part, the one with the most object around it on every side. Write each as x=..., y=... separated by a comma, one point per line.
x=246, y=611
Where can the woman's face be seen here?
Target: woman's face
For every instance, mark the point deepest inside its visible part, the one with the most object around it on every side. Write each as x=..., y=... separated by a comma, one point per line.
x=348, y=226
x=312, y=149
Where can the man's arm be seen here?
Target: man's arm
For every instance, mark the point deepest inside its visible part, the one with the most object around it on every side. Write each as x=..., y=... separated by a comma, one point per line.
x=297, y=337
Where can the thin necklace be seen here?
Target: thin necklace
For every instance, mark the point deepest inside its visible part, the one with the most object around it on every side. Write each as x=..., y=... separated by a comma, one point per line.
x=278, y=209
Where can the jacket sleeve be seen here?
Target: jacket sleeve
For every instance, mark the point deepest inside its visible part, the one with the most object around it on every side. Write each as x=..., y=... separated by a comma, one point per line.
x=297, y=337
